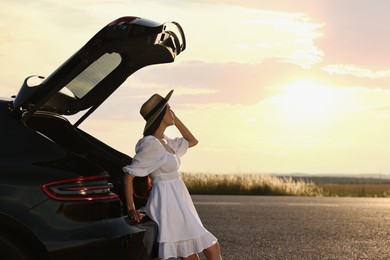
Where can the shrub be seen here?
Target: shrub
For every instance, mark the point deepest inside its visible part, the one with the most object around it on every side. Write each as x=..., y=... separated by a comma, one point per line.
x=248, y=184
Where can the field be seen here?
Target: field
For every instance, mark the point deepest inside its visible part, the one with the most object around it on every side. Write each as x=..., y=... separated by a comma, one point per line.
x=260, y=184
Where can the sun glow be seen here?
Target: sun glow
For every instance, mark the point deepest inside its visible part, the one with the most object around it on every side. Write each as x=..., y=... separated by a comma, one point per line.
x=306, y=102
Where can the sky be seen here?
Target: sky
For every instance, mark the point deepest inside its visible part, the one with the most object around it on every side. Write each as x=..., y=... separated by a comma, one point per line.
x=266, y=86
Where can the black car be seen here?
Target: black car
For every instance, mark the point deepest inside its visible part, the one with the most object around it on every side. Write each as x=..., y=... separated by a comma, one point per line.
x=61, y=191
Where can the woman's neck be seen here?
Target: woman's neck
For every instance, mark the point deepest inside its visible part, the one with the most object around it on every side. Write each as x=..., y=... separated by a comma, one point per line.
x=159, y=137
x=159, y=134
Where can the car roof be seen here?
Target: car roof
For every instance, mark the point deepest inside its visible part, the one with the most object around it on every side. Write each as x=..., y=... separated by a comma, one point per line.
x=94, y=72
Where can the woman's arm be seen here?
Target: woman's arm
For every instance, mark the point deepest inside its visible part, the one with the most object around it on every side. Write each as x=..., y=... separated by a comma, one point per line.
x=192, y=141
x=129, y=191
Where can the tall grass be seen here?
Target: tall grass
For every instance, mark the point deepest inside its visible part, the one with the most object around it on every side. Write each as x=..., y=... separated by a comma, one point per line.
x=378, y=190
x=248, y=184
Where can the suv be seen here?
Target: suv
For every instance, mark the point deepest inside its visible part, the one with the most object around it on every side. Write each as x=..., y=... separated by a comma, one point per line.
x=61, y=191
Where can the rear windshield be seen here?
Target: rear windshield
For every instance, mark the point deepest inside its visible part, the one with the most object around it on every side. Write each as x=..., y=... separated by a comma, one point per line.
x=92, y=75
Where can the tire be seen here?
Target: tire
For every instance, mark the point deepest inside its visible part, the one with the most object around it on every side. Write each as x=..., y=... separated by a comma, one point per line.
x=12, y=249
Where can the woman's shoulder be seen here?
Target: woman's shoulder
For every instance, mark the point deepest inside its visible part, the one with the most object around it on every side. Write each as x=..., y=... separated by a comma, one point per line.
x=148, y=141
x=149, y=138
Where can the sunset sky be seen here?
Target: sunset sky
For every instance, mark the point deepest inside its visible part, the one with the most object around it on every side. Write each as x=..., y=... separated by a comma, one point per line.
x=275, y=86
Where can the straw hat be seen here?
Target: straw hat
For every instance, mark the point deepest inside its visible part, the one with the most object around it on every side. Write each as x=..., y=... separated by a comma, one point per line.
x=153, y=107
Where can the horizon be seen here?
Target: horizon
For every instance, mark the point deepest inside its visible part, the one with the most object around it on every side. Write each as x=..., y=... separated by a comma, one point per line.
x=266, y=87
x=304, y=175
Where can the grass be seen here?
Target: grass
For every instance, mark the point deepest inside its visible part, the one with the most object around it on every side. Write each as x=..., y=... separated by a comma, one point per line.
x=248, y=184
x=379, y=190
x=260, y=184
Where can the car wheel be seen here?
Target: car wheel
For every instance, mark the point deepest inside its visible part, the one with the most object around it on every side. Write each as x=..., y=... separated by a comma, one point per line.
x=11, y=249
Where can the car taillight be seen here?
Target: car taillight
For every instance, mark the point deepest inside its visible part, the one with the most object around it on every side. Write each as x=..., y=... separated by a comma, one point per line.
x=81, y=188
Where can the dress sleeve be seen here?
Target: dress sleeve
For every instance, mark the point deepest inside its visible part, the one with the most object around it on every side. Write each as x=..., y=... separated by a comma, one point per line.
x=178, y=144
x=150, y=155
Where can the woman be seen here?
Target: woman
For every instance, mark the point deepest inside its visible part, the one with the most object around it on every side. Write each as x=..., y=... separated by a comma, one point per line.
x=181, y=233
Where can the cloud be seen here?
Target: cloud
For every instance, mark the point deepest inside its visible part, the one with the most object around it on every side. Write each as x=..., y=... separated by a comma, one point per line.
x=235, y=83
x=344, y=69
x=355, y=34
x=352, y=31
x=242, y=83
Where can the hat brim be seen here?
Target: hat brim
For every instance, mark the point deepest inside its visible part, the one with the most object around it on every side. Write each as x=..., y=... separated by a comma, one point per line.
x=153, y=117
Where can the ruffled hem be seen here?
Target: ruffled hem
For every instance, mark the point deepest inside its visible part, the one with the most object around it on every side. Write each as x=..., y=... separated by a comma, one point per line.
x=186, y=248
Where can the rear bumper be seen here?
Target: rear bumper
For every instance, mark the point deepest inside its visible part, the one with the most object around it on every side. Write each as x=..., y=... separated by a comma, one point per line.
x=129, y=247
x=141, y=244
x=64, y=238
x=150, y=238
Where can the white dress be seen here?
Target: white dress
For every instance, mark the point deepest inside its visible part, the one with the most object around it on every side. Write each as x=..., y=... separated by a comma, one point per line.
x=181, y=232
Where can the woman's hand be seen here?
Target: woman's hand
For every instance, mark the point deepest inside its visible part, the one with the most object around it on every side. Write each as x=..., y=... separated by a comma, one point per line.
x=192, y=141
x=135, y=215
x=132, y=213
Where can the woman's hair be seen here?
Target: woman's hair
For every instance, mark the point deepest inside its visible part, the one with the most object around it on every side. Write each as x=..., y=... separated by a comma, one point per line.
x=153, y=127
x=142, y=187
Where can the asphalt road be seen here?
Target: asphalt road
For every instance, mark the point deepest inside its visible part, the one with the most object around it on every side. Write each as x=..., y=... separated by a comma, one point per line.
x=264, y=227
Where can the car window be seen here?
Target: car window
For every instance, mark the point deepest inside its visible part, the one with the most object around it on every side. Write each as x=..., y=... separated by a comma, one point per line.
x=92, y=75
